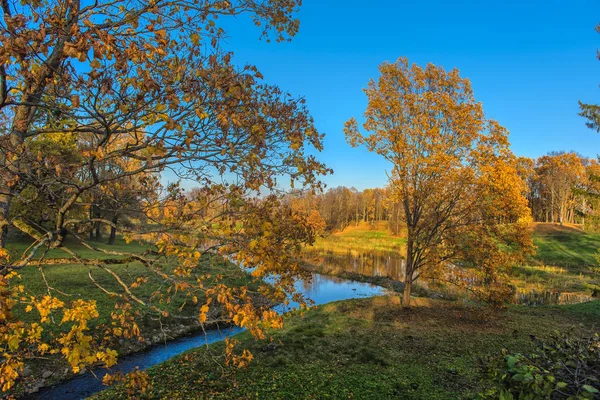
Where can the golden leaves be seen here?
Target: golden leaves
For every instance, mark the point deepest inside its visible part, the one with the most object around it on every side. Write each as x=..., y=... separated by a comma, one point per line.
x=452, y=169
x=142, y=102
x=46, y=305
x=9, y=371
x=136, y=382
x=237, y=360
x=203, y=312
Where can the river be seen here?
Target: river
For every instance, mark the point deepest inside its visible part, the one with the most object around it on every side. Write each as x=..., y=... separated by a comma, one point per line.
x=322, y=289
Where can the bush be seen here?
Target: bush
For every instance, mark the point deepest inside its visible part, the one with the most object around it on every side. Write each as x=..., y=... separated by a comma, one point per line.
x=565, y=366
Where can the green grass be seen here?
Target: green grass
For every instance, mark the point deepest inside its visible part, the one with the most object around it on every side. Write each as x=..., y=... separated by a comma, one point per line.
x=565, y=258
x=361, y=238
x=565, y=261
x=367, y=349
x=374, y=349
x=119, y=246
x=70, y=282
x=566, y=247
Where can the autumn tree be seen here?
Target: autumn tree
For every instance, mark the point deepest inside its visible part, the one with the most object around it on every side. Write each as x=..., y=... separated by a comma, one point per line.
x=558, y=175
x=462, y=199
x=96, y=95
x=590, y=193
x=590, y=197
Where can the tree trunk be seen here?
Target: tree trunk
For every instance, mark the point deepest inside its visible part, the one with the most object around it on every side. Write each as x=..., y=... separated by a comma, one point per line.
x=552, y=206
x=407, y=291
x=561, y=215
x=4, y=218
x=92, y=222
x=98, y=225
x=98, y=231
x=408, y=275
x=583, y=210
x=113, y=229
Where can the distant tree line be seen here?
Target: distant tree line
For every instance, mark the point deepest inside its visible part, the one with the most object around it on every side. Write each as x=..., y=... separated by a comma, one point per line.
x=341, y=207
x=563, y=187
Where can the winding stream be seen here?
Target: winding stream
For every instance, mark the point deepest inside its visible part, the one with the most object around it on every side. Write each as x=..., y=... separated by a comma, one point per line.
x=323, y=289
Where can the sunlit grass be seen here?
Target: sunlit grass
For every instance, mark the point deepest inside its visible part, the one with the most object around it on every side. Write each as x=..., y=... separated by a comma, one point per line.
x=360, y=239
x=71, y=281
x=565, y=258
x=565, y=261
x=368, y=349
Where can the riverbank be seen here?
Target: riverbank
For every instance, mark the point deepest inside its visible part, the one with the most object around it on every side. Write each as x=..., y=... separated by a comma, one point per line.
x=386, y=282
x=363, y=237
x=565, y=263
x=368, y=349
x=70, y=281
x=321, y=289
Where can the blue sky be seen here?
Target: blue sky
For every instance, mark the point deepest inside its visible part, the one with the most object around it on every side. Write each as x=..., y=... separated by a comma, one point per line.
x=529, y=63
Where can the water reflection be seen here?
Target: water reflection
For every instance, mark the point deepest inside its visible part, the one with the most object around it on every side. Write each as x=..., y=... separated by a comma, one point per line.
x=324, y=289
x=363, y=263
x=540, y=298
x=380, y=264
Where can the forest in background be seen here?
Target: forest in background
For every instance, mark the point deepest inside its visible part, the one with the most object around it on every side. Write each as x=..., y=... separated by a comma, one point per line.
x=562, y=187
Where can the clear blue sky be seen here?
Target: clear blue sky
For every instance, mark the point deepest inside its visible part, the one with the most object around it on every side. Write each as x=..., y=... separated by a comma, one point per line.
x=529, y=63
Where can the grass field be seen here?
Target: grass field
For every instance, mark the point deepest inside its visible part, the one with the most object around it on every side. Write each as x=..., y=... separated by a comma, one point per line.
x=71, y=282
x=361, y=238
x=368, y=349
x=566, y=246
x=565, y=261
x=372, y=348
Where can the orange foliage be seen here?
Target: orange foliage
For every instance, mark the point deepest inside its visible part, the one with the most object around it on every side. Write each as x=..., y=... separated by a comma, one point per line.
x=453, y=174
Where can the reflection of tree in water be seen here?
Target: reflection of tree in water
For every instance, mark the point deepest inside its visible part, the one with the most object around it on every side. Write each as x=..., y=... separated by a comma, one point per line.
x=382, y=264
x=317, y=281
x=363, y=263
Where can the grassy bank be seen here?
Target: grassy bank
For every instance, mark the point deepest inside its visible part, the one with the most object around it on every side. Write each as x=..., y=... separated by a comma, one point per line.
x=564, y=261
x=374, y=349
x=367, y=349
x=363, y=237
x=70, y=281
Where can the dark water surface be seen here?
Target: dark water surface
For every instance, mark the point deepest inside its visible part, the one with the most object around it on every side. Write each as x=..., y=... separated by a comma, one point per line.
x=323, y=289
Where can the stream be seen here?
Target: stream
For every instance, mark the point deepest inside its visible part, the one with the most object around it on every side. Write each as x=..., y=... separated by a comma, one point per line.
x=322, y=289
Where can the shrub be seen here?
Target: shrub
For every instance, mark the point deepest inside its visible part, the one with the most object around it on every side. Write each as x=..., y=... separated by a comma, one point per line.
x=564, y=366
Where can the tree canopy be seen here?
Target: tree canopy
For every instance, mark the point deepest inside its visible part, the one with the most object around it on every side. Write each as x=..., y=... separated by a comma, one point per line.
x=454, y=174
x=97, y=99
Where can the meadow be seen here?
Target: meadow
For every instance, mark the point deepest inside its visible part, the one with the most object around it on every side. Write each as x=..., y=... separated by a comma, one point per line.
x=69, y=281
x=374, y=349
x=362, y=237
x=368, y=349
x=565, y=258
